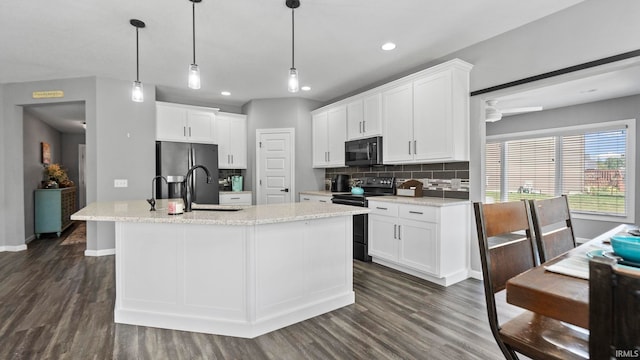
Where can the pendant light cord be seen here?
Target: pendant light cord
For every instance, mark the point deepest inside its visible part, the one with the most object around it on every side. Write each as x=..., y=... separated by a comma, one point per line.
x=293, y=37
x=193, y=17
x=137, y=58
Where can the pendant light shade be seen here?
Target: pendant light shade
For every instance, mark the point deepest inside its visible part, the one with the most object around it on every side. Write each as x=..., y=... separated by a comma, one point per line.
x=293, y=80
x=293, y=83
x=137, y=93
x=194, y=69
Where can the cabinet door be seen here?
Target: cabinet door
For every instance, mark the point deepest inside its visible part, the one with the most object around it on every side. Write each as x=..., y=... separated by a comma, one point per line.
x=230, y=133
x=372, y=119
x=171, y=123
x=355, y=117
x=432, y=117
x=320, y=139
x=200, y=126
x=222, y=130
x=419, y=245
x=337, y=130
x=383, y=242
x=397, y=123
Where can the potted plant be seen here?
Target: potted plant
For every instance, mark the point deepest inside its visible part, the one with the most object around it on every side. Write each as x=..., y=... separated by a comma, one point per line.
x=56, y=177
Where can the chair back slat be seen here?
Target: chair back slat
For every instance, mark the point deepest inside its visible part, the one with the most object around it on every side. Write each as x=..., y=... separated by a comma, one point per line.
x=505, y=218
x=552, y=226
x=509, y=260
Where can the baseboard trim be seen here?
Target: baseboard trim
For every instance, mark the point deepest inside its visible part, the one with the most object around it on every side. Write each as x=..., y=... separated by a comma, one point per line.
x=29, y=239
x=474, y=274
x=14, y=248
x=103, y=252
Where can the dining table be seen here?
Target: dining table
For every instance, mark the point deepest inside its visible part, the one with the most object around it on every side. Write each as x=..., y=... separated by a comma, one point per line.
x=559, y=288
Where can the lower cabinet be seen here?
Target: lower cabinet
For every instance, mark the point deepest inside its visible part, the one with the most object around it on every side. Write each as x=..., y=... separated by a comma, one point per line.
x=315, y=198
x=430, y=242
x=235, y=198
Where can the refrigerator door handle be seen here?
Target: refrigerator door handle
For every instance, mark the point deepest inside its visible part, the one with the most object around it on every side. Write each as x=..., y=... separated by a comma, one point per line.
x=193, y=177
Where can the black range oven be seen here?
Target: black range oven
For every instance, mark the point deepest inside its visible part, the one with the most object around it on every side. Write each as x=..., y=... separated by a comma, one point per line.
x=372, y=186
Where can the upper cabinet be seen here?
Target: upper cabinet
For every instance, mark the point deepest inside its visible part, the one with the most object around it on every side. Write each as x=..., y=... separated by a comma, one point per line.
x=186, y=123
x=183, y=123
x=329, y=129
x=230, y=133
x=364, y=117
x=425, y=116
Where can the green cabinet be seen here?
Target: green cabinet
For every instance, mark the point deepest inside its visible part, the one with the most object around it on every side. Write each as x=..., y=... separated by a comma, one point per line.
x=53, y=209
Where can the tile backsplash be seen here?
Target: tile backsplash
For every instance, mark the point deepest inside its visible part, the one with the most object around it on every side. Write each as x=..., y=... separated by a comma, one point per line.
x=449, y=180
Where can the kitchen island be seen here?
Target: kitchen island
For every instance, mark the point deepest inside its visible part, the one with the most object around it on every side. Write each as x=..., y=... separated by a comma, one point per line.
x=238, y=273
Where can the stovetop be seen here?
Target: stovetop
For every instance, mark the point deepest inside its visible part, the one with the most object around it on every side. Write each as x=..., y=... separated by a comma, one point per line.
x=372, y=186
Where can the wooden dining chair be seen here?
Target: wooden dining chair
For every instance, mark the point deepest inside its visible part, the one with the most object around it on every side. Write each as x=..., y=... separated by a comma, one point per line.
x=614, y=310
x=507, y=249
x=552, y=226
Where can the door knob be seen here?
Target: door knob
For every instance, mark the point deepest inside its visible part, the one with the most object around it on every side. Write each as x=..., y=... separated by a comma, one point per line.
x=285, y=190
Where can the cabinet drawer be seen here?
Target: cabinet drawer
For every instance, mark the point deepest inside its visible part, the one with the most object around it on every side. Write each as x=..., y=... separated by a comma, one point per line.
x=383, y=208
x=235, y=199
x=419, y=213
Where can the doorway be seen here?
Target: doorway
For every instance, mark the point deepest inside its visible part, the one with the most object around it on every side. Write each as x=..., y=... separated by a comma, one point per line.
x=275, y=159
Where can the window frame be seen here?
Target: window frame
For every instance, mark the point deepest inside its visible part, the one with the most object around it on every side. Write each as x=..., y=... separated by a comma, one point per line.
x=630, y=157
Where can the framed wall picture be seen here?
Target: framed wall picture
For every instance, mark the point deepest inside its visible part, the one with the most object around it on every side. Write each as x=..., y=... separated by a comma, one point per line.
x=46, y=153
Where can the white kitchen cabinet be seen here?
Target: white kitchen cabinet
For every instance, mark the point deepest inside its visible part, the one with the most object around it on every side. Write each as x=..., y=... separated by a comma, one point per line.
x=426, y=116
x=230, y=133
x=329, y=132
x=184, y=123
x=430, y=242
x=364, y=117
x=315, y=198
x=235, y=198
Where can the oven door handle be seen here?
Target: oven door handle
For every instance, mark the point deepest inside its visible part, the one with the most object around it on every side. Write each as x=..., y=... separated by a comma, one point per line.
x=348, y=202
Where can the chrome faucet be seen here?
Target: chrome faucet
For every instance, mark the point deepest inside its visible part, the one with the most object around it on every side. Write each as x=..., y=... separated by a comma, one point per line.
x=188, y=186
x=152, y=201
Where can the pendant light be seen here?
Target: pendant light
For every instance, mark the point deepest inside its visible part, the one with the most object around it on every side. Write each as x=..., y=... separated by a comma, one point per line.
x=194, y=70
x=137, y=93
x=293, y=73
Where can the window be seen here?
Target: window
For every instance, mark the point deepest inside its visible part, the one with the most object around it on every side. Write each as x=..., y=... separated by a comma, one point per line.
x=593, y=165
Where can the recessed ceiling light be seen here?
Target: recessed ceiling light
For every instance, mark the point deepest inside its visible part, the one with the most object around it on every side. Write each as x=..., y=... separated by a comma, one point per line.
x=388, y=46
x=225, y=93
x=305, y=88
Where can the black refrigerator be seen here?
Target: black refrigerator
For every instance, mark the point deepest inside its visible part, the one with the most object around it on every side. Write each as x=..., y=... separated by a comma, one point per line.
x=173, y=161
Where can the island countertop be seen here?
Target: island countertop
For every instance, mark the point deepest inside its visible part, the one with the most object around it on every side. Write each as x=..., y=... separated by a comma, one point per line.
x=138, y=211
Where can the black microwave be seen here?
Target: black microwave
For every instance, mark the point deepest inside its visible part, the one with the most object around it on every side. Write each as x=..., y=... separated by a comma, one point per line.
x=363, y=152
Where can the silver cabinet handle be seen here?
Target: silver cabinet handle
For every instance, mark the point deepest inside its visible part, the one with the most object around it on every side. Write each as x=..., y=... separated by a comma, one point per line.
x=360, y=127
x=409, y=147
x=329, y=156
x=395, y=228
x=415, y=148
x=364, y=126
x=416, y=212
x=322, y=200
x=306, y=199
x=235, y=198
x=184, y=131
x=189, y=131
x=381, y=208
x=232, y=158
x=399, y=236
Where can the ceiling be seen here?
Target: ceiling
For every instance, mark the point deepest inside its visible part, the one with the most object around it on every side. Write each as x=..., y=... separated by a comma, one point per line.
x=604, y=82
x=244, y=47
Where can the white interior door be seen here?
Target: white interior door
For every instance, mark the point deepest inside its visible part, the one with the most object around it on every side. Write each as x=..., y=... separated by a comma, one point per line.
x=275, y=169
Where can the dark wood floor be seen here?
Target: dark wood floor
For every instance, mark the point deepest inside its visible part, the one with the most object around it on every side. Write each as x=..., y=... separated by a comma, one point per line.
x=55, y=303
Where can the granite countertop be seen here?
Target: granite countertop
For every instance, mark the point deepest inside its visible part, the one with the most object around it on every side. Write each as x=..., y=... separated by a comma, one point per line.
x=426, y=201
x=138, y=211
